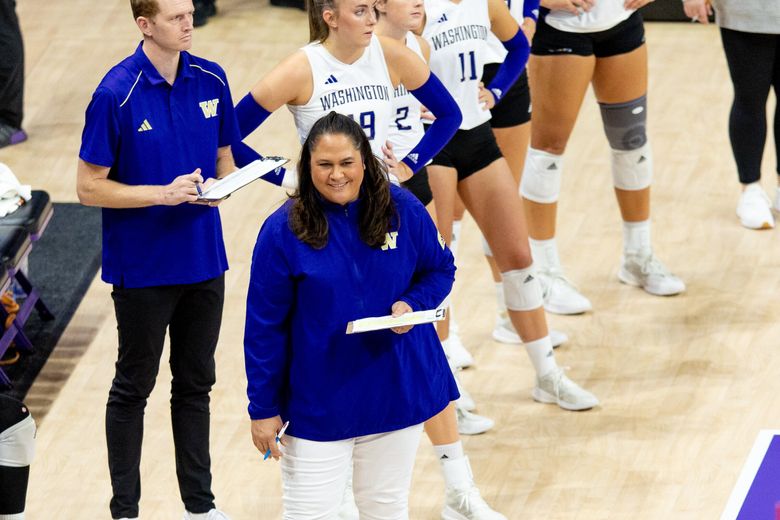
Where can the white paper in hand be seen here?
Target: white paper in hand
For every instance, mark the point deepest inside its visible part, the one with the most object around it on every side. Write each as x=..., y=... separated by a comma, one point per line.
x=389, y=322
x=240, y=178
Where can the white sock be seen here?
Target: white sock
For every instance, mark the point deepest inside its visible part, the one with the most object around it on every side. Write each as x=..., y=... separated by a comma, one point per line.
x=456, y=227
x=16, y=516
x=449, y=451
x=540, y=352
x=636, y=238
x=545, y=254
x=457, y=473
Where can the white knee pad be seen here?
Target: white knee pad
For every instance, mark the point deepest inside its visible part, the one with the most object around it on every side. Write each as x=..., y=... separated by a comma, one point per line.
x=522, y=291
x=541, y=180
x=486, y=247
x=632, y=170
x=17, y=444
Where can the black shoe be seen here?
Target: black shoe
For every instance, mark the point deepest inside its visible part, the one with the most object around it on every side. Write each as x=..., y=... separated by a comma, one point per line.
x=10, y=135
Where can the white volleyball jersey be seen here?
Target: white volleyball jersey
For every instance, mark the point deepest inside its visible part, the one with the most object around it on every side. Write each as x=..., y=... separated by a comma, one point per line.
x=457, y=34
x=362, y=90
x=406, y=127
x=605, y=15
x=496, y=52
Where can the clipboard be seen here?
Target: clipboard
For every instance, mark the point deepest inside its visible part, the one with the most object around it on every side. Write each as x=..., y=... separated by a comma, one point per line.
x=389, y=322
x=225, y=187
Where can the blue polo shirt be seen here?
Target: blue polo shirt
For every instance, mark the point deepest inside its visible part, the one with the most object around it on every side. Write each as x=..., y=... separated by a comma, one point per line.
x=149, y=132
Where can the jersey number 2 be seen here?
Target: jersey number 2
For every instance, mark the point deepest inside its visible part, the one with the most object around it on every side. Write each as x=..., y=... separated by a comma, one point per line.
x=401, y=115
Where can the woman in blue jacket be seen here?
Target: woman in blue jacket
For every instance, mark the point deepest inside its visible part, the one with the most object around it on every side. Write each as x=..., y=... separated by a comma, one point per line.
x=346, y=246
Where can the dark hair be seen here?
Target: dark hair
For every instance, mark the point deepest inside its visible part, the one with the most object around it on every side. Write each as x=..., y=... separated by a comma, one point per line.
x=145, y=8
x=377, y=210
x=318, y=29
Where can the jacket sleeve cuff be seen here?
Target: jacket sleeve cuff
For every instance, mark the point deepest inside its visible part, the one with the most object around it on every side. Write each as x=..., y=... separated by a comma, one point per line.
x=259, y=412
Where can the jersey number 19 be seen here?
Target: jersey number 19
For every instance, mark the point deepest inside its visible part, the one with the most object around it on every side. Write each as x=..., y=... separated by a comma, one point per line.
x=366, y=122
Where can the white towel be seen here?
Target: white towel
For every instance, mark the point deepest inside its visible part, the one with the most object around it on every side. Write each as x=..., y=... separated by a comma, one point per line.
x=13, y=194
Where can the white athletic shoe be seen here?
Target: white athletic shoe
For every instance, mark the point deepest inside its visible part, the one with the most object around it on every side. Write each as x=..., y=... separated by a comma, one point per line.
x=504, y=332
x=348, y=509
x=456, y=352
x=467, y=504
x=465, y=400
x=560, y=295
x=556, y=388
x=214, y=514
x=754, y=208
x=650, y=274
x=776, y=205
x=471, y=423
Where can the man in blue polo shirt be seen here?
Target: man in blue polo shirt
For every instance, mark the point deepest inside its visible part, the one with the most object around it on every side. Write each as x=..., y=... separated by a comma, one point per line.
x=157, y=132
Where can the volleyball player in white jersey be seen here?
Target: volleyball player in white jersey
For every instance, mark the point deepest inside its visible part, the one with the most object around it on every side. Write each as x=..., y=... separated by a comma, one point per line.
x=471, y=165
x=510, y=120
x=349, y=70
x=601, y=43
x=397, y=20
x=406, y=127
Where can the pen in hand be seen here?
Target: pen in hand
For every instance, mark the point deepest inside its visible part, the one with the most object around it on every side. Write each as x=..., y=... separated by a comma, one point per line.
x=278, y=439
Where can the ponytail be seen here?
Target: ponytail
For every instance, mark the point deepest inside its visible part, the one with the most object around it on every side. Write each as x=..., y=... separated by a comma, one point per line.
x=318, y=29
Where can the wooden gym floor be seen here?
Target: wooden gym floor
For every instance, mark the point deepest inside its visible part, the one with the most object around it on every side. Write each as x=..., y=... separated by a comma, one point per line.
x=685, y=382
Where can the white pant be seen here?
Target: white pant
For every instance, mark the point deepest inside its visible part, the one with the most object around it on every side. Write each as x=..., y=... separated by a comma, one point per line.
x=17, y=444
x=314, y=475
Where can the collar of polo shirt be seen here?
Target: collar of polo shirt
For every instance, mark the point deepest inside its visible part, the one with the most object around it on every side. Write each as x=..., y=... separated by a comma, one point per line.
x=151, y=73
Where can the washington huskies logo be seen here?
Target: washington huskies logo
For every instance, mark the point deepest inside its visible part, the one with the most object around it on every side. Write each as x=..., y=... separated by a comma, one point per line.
x=209, y=108
x=391, y=241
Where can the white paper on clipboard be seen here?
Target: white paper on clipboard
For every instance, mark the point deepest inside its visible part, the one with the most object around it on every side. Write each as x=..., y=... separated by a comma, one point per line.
x=389, y=322
x=240, y=178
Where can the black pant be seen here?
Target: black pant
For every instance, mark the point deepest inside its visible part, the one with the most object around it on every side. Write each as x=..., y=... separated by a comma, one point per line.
x=13, y=480
x=11, y=65
x=193, y=314
x=754, y=64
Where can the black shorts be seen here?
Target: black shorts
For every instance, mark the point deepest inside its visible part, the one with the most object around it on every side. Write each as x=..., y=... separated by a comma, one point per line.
x=12, y=412
x=620, y=39
x=515, y=107
x=419, y=187
x=469, y=151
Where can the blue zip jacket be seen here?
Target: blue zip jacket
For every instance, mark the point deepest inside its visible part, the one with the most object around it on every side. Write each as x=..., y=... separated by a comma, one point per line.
x=301, y=364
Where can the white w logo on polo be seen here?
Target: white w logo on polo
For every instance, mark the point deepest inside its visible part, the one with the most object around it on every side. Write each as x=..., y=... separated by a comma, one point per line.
x=209, y=107
x=391, y=241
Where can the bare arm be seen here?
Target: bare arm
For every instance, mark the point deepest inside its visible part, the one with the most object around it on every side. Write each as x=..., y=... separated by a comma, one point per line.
x=424, y=47
x=225, y=164
x=290, y=82
x=502, y=24
x=94, y=188
x=404, y=65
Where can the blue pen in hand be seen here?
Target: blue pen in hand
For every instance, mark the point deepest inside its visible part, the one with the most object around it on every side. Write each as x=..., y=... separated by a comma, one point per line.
x=278, y=439
x=197, y=187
